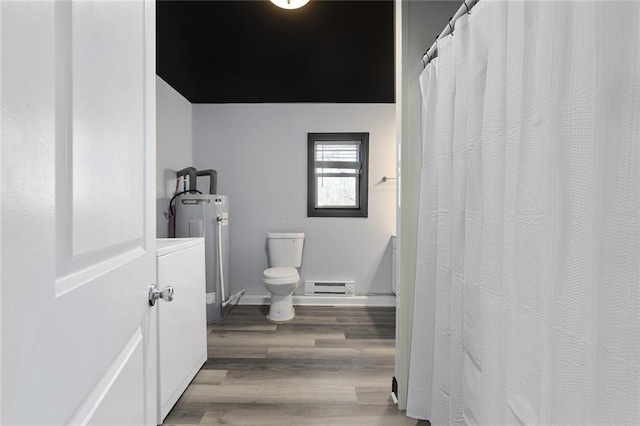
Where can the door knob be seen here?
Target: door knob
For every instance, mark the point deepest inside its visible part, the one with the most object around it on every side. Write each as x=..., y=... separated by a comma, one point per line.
x=165, y=294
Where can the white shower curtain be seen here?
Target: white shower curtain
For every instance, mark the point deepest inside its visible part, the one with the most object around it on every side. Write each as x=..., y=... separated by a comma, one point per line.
x=528, y=259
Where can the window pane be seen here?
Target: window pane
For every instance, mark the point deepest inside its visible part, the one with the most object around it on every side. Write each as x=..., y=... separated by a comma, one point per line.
x=336, y=192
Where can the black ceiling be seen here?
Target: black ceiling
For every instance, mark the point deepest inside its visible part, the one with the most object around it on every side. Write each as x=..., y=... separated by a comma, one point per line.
x=215, y=51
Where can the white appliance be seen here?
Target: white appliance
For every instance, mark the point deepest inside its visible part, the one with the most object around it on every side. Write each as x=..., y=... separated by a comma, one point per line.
x=182, y=325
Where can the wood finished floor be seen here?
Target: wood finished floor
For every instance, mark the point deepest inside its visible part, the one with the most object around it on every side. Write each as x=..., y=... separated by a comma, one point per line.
x=329, y=366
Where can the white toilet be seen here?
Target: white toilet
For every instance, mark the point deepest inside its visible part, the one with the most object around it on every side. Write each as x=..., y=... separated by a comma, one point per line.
x=281, y=279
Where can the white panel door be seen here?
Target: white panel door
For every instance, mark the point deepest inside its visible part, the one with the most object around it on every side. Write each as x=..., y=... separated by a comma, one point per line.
x=77, y=212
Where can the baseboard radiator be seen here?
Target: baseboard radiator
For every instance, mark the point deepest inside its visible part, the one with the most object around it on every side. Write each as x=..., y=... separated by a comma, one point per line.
x=333, y=288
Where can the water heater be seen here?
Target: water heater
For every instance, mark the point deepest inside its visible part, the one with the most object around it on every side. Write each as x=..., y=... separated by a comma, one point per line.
x=207, y=216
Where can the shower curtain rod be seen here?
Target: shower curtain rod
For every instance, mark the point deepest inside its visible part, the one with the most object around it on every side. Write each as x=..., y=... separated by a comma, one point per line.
x=432, y=52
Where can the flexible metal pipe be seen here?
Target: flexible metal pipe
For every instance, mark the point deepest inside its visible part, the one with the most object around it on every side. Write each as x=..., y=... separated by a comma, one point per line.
x=213, y=179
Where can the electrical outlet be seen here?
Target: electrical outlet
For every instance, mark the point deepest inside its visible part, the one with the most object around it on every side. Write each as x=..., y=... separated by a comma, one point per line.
x=211, y=298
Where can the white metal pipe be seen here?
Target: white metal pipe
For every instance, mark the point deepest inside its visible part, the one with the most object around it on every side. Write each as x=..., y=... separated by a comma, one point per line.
x=232, y=298
x=221, y=268
x=433, y=50
x=220, y=263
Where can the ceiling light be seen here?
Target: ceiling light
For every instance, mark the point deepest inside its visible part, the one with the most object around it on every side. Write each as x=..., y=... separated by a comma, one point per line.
x=289, y=4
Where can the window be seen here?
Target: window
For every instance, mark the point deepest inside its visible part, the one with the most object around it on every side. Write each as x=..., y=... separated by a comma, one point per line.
x=337, y=174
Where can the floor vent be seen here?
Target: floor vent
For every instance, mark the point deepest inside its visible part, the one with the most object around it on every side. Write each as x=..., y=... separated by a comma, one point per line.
x=344, y=288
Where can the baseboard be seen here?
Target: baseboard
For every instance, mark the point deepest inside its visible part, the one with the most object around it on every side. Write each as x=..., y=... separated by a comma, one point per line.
x=317, y=300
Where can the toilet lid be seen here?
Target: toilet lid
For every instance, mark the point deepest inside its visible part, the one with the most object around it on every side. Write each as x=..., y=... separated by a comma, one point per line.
x=280, y=272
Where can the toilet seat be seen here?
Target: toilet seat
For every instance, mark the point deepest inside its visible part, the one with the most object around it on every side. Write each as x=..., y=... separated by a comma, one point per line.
x=280, y=272
x=280, y=275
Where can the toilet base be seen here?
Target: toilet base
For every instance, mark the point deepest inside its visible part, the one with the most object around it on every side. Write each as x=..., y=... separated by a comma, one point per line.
x=281, y=321
x=281, y=309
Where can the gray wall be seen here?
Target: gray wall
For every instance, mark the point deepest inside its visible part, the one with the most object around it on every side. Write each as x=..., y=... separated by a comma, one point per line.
x=260, y=153
x=173, y=146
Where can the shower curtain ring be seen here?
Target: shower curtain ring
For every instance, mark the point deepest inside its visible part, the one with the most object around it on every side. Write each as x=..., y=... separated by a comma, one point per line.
x=467, y=6
x=450, y=26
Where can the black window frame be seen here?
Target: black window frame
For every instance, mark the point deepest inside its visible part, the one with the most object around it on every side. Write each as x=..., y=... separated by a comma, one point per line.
x=363, y=181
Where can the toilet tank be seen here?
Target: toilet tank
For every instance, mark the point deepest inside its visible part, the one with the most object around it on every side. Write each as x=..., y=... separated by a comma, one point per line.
x=285, y=249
